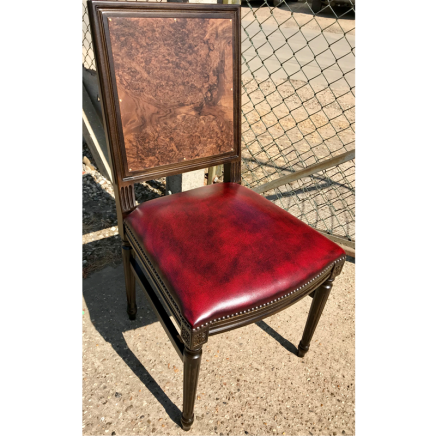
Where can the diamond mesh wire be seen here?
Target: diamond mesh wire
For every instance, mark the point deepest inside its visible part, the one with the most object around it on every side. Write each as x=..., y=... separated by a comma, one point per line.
x=298, y=104
x=87, y=50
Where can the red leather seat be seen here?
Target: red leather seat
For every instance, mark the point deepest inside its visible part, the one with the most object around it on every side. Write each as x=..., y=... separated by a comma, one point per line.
x=222, y=249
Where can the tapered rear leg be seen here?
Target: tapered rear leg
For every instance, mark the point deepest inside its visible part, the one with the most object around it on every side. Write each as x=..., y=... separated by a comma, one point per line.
x=191, y=369
x=316, y=308
x=130, y=280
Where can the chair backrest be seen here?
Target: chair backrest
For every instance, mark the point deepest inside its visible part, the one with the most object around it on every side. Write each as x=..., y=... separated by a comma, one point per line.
x=169, y=76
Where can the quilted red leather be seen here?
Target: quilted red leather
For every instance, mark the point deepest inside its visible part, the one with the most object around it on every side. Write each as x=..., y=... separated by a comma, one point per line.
x=222, y=249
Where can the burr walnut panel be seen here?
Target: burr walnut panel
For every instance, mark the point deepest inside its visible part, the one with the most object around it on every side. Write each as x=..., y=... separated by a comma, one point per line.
x=174, y=80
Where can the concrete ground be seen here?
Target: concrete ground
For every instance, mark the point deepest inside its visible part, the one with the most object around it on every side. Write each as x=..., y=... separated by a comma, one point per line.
x=251, y=381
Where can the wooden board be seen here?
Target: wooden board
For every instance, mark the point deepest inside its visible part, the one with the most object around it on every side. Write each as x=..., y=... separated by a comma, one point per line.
x=174, y=80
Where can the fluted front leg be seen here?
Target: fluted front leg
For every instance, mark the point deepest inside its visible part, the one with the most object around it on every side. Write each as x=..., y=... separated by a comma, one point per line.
x=191, y=369
x=129, y=280
x=318, y=303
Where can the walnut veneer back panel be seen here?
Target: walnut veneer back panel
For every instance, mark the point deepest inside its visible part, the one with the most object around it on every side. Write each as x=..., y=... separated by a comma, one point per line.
x=174, y=79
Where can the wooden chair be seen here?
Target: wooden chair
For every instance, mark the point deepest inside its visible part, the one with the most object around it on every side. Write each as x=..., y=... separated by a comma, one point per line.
x=221, y=256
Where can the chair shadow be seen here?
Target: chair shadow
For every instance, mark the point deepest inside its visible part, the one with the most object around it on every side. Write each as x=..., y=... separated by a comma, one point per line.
x=107, y=310
x=287, y=345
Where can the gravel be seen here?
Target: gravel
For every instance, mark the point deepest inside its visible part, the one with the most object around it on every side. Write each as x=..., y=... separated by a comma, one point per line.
x=100, y=238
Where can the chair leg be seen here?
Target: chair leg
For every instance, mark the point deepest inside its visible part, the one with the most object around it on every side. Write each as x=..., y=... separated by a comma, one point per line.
x=130, y=281
x=316, y=308
x=191, y=369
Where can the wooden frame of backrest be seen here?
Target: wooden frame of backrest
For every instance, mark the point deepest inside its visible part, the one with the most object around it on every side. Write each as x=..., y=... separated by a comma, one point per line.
x=100, y=12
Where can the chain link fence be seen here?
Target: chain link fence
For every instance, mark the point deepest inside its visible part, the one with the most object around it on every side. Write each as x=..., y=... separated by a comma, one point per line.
x=298, y=105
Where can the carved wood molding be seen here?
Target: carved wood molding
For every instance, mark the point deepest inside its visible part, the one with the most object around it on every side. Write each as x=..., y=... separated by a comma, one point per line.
x=127, y=198
x=194, y=339
x=337, y=269
x=232, y=172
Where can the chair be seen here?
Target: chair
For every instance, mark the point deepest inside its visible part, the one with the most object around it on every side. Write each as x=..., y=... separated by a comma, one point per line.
x=221, y=256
